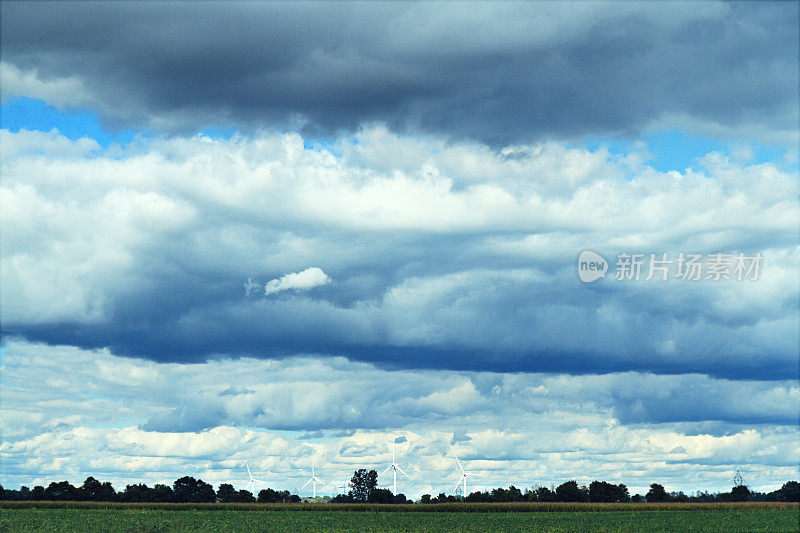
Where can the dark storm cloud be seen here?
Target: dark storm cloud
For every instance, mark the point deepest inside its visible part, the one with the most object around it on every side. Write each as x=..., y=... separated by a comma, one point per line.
x=555, y=325
x=499, y=73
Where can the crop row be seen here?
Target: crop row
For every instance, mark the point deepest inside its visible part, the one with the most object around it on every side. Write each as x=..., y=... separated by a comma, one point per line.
x=440, y=507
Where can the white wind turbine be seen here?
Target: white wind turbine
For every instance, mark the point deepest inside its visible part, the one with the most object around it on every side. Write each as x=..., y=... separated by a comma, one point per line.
x=463, y=478
x=252, y=483
x=394, y=467
x=313, y=480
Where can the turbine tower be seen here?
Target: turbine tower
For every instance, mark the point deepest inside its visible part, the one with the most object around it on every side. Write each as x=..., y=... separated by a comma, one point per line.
x=394, y=467
x=313, y=480
x=252, y=483
x=463, y=478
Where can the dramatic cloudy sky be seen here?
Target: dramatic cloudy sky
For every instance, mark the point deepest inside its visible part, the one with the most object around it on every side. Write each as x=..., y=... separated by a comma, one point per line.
x=289, y=234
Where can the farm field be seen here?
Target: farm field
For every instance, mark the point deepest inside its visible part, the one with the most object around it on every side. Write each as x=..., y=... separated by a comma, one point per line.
x=265, y=518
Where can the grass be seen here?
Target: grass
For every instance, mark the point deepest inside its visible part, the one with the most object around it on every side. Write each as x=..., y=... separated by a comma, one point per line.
x=80, y=516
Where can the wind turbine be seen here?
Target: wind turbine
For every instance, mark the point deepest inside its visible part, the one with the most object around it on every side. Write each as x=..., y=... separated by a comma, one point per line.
x=252, y=483
x=313, y=480
x=394, y=468
x=463, y=478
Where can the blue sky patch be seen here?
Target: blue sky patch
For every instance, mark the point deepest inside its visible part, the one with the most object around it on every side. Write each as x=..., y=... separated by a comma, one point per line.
x=36, y=115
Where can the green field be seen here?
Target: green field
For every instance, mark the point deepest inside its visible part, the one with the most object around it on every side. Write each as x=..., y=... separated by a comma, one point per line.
x=55, y=518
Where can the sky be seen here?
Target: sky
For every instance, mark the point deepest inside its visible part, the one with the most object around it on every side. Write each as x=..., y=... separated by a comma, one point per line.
x=287, y=235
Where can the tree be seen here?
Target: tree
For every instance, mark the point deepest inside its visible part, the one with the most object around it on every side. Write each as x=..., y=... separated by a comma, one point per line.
x=513, y=494
x=543, y=494
x=226, y=493
x=37, y=494
x=704, y=497
x=275, y=496
x=245, y=496
x=656, y=494
x=189, y=489
x=96, y=491
x=601, y=491
x=479, y=496
x=791, y=491
x=161, y=493
x=380, y=496
x=90, y=487
x=426, y=498
x=61, y=491
x=571, y=492
x=740, y=493
x=136, y=493
x=362, y=484
x=679, y=497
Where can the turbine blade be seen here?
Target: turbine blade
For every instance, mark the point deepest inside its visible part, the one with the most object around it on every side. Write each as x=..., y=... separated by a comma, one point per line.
x=248, y=471
x=387, y=469
x=457, y=486
x=401, y=471
x=320, y=481
x=459, y=464
x=306, y=483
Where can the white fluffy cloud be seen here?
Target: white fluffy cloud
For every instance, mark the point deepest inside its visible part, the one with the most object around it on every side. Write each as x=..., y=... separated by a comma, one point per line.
x=307, y=279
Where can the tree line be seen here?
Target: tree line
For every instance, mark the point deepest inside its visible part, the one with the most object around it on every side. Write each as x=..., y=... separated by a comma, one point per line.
x=604, y=492
x=363, y=488
x=184, y=490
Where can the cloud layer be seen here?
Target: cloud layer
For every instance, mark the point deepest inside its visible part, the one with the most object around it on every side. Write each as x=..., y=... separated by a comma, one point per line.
x=444, y=255
x=69, y=413
x=503, y=74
